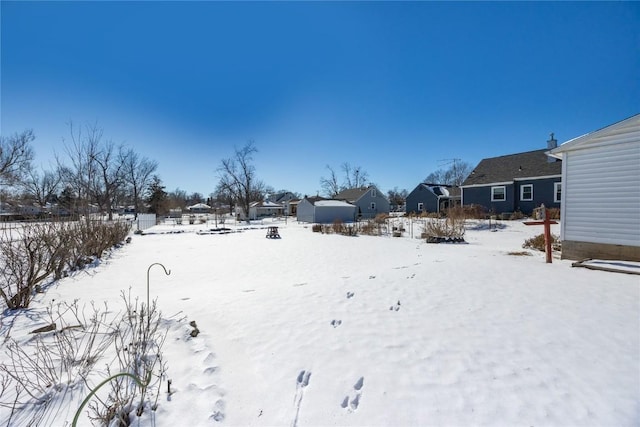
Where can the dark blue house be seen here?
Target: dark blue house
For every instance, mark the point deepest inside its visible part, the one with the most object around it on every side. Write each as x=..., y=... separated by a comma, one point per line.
x=516, y=182
x=432, y=198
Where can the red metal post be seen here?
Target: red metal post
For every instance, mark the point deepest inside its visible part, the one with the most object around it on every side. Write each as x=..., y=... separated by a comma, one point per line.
x=547, y=236
x=546, y=221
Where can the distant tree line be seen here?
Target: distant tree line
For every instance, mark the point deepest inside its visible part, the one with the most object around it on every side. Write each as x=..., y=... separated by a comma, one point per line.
x=92, y=173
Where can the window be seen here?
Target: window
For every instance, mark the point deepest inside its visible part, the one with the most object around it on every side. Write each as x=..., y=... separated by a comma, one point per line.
x=373, y=192
x=373, y=206
x=557, y=191
x=498, y=194
x=526, y=192
x=420, y=207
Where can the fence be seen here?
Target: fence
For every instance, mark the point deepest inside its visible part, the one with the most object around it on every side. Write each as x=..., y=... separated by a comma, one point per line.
x=146, y=221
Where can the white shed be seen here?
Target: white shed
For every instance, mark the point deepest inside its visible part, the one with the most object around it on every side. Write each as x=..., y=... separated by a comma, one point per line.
x=600, y=200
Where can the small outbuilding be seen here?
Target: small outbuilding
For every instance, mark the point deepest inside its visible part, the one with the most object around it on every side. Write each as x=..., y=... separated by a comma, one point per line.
x=264, y=209
x=323, y=211
x=600, y=209
x=199, y=208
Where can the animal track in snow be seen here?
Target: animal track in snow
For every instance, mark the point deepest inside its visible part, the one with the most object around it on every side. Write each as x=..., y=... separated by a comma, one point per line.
x=395, y=307
x=412, y=276
x=218, y=411
x=303, y=378
x=351, y=404
x=372, y=277
x=302, y=381
x=336, y=323
x=350, y=294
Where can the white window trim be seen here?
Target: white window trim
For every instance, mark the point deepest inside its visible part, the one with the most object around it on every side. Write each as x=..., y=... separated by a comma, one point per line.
x=555, y=192
x=522, y=187
x=504, y=191
x=420, y=206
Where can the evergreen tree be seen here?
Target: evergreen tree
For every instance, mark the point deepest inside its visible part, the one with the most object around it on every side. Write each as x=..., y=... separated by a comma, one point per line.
x=158, y=198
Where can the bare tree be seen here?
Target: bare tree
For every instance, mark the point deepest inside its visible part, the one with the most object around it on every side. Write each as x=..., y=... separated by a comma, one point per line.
x=81, y=175
x=330, y=186
x=238, y=177
x=354, y=176
x=454, y=175
x=109, y=159
x=458, y=172
x=177, y=199
x=96, y=167
x=137, y=173
x=397, y=197
x=16, y=156
x=224, y=195
x=42, y=187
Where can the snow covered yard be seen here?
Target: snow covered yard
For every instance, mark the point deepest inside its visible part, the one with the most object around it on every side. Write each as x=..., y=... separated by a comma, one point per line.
x=318, y=330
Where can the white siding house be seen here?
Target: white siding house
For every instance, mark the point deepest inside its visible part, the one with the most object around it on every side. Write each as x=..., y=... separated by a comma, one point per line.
x=600, y=209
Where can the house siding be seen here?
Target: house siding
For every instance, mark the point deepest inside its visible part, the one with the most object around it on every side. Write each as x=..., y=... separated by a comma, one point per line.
x=309, y=212
x=601, y=194
x=329, y=214
x=482, y=196
x=363, y=204
x=421, y=194
x=305, y=211
x=543, y=192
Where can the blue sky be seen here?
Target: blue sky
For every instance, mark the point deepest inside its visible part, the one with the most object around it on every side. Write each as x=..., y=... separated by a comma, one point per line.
x=396, y=88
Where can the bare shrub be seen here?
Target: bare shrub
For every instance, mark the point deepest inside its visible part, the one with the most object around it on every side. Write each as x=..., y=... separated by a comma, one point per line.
x=367, y=228
x=37, y=250
x=474, y=211
x=554, y=213
x=516, y=215
x=138, y=341
x=450, y=227
x=537, y=242
x=338, y=226
x=316, y=228
x=58, y=360
x=25, y=260
x=55, y=361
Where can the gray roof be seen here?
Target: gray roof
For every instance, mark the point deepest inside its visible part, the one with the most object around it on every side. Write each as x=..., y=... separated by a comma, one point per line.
x=351, y=194
x=514, y=166
x=454, y=192
x=314, y=199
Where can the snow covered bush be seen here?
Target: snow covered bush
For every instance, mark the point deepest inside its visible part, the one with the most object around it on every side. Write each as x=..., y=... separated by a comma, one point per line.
x=57, y=359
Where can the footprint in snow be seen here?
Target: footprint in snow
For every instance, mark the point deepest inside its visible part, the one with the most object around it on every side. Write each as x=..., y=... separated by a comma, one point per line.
x=351, y=404
x=350, y=294
x=302, y=381
x=395, y=307
x=336, y=323
x=218, y=411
